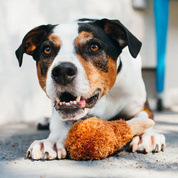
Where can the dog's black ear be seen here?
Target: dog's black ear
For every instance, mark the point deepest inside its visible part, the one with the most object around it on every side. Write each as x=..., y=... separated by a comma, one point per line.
x=119, y=32
x=31, y=40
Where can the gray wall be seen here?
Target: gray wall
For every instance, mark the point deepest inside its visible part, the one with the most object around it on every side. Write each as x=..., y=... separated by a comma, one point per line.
x=21, y=98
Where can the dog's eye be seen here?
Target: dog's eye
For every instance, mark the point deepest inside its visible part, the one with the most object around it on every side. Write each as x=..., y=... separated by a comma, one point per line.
x=94, y=47
x=47, y=50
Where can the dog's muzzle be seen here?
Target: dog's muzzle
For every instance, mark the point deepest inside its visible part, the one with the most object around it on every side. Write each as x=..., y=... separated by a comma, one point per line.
x=67, y=102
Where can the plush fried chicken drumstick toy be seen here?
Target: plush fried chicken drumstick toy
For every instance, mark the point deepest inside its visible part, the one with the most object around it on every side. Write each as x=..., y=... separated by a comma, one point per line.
x=93, y=138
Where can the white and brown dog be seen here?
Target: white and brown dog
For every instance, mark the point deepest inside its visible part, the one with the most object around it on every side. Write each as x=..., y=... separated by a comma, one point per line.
x=80, y=68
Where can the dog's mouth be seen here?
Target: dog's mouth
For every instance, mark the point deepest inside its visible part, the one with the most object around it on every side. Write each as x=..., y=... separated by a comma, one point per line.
x=70, y=104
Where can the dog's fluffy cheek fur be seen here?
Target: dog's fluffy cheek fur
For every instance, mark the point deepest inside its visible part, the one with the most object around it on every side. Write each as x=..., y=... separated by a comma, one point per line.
x=100, y=79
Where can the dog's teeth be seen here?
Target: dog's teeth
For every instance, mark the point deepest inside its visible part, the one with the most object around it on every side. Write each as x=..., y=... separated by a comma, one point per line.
x=78, y=98
x=64, y=103
x=58, y=100
x=71, y=102
x=67, y=104
x=75, y=102
x=60, y=103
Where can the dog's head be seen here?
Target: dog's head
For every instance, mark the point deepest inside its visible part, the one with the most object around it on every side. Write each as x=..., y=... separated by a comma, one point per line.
x=76, y=62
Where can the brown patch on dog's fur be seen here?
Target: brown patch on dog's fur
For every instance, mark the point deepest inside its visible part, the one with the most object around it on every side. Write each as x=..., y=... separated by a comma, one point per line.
x=83, y=37
x=43, y=65
x=42, y=71
x=29, y=46
x=99, y=60
x=147, y=109
x=55, y=40
x=99, y=79
x=41, y=78
x=33, y=38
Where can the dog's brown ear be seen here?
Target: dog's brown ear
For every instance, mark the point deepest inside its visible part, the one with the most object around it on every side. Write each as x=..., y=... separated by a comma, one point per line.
x=119, y=32
x=31, y=40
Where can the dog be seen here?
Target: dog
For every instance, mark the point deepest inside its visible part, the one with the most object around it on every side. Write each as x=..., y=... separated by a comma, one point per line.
x=87, y=68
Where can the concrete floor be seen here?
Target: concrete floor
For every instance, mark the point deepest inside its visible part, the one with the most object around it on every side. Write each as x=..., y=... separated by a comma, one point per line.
x=15, y=139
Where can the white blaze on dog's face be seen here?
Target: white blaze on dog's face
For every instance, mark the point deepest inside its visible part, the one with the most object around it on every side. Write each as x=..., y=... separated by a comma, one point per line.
x=94, y=71
x=76, y=62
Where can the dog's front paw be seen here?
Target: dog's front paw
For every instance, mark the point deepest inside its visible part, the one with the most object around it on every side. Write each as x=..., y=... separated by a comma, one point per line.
x=46, y=149
x=148, y=142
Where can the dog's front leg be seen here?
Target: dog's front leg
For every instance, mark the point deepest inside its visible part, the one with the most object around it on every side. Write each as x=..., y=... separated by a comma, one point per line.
x=149, y=141
x=53, y=146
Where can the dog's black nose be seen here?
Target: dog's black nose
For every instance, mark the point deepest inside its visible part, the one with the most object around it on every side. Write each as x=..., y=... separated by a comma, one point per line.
x=64, y=73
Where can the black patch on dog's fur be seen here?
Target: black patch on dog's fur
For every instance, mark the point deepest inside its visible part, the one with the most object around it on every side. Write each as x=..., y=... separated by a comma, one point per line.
x=120, y=66
x=112, y=36
x=37, y=35
x=109, y=45
x=102, y=65
x=44, y=68
x=86, y=19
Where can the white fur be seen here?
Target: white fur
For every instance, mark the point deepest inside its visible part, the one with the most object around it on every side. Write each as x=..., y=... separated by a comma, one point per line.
x=149, y=141
x=127, y=97
x=68, y=33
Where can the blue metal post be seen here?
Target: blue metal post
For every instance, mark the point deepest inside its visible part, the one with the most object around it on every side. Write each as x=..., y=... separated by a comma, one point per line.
x=161, y=8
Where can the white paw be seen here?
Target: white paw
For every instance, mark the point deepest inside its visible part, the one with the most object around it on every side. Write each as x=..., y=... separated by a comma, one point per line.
x=46, y=149
x=61, y=151
x=148, y=142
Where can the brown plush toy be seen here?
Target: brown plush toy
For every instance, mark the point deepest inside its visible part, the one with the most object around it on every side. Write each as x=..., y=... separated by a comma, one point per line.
x=93, y=138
